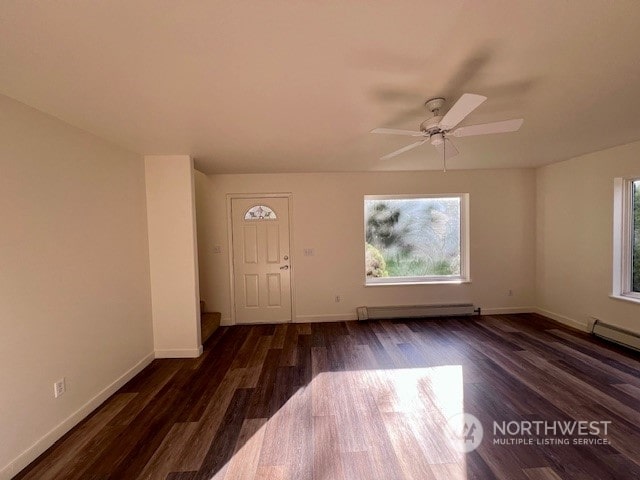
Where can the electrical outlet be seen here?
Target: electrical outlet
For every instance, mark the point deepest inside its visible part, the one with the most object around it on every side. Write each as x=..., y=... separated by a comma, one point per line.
x=59, y=388
x=309, y=252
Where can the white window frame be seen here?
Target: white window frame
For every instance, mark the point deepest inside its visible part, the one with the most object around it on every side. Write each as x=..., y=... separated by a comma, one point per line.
x=623, y=240
x=465, y=270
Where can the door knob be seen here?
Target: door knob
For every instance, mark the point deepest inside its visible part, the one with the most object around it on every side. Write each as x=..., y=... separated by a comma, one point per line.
x=286, y=267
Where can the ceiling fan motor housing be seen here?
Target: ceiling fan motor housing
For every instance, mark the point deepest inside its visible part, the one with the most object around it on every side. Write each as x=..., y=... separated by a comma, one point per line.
x=431, y=125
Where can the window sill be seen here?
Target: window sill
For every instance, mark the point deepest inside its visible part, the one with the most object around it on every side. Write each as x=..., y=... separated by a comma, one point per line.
x=626, y=298
x=435, y=282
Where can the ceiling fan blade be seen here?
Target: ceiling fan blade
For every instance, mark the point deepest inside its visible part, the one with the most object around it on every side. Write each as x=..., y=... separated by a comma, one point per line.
x=448, y=148
x=466, y=104
x=395, y=131
x=487, y=128
x=403, y=149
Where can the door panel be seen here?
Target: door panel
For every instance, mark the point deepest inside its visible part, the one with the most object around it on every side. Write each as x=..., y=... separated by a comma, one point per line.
x=261, y=268
x=251, y=290
x=273, y=243
x=274, y=290
x=250, y=243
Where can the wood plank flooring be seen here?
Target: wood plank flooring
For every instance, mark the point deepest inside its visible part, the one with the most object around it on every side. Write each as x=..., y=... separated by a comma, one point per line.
x=354, y=400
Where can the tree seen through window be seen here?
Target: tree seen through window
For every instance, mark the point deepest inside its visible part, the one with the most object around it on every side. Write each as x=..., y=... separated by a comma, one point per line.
x=413, y=237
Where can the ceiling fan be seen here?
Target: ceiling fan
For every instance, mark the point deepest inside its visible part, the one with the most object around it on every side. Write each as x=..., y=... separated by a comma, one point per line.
x=438, y=129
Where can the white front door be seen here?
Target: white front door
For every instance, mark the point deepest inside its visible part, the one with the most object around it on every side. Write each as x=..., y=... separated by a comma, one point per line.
x=261, y=259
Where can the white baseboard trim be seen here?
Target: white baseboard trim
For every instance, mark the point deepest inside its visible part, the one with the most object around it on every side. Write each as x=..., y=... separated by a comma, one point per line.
x=507, y=310
x=570, y=322
x=328, y=317
x=179, y=352
x=342, y=317
x=40, y=446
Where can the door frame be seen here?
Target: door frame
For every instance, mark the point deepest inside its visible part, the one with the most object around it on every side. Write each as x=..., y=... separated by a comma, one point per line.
x=232, y=293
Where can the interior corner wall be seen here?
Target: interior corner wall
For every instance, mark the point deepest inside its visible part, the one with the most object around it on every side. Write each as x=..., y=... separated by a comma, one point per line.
x=327, y=211
x=173, y=255
x=74, y=277
x=205, y=233
x=574, y=251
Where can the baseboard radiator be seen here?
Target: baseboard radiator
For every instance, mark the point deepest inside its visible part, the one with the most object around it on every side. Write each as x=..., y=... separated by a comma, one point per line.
x=616, y=334
x=416, y=311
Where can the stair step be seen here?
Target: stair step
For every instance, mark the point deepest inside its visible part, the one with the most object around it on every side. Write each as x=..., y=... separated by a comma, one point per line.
x=209, y=322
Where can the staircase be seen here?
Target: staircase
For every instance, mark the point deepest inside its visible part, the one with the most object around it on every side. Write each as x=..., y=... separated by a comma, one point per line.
x=209, y=322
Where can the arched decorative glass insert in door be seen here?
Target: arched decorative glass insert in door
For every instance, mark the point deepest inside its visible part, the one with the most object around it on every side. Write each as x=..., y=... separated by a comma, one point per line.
x=260, y=212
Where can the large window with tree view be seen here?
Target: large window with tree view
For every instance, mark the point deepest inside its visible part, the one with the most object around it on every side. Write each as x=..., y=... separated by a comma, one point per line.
x=416, y=239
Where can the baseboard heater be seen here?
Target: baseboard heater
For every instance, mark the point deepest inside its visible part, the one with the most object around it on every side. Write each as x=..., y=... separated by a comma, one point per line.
x=616, y=334
x=416, y=311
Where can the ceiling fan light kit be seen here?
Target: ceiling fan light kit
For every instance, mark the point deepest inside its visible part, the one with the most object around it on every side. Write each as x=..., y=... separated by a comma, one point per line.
x=436, y=139
x=437, y=129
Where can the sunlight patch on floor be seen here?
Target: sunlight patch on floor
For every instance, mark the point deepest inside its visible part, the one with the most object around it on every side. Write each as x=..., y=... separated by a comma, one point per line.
x=363, y=414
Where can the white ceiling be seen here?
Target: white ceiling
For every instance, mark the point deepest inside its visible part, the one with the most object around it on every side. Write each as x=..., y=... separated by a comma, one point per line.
x=295, y=86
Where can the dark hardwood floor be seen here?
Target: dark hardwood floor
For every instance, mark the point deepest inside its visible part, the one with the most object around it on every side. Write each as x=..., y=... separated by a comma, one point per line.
x=373, y=401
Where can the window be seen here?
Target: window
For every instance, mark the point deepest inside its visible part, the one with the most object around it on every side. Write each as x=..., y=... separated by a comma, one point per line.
x=416, y=239
x=626, y=239
x=635, y=242
x=260, y=212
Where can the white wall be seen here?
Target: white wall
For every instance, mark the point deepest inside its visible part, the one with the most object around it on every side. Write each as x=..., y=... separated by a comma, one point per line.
x=74, y=277
x=173, y=255
x=328, y=217
x=575, y=238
